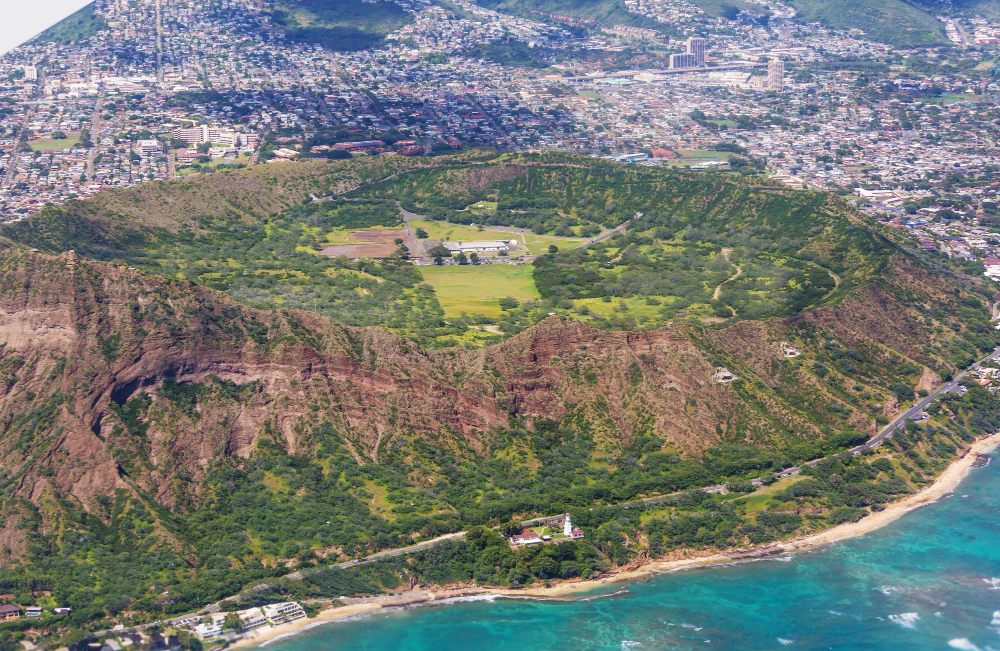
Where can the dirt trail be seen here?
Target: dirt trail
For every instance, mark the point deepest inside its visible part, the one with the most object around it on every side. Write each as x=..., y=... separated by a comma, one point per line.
x=739, y=272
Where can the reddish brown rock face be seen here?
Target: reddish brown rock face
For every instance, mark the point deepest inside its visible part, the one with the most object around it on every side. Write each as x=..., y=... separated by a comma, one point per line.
x=82, y=339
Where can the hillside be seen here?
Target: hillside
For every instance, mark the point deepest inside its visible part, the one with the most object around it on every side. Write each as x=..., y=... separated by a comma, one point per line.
x=76, y=27
x=151, y=423
x=256, y=236
x=896, y=22
x=603, y=12
x=340, y=25
x=967, y=8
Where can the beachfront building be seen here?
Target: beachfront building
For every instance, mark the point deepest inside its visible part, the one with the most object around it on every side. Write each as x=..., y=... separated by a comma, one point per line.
x=208, y=630
x=284, y=612
x=252, y=618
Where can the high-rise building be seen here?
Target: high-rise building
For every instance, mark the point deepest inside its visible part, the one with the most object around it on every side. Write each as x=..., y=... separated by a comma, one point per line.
x=31, y=73
x=776, y=75
x=684, y=60
x=696, y=46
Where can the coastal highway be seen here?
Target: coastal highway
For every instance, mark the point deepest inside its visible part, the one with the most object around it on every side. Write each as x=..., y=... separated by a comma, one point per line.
x=951, y=386
x=389, y=553
x=910, y=414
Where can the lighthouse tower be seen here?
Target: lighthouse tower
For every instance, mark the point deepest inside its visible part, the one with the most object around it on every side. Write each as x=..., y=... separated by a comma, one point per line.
x=567, y=526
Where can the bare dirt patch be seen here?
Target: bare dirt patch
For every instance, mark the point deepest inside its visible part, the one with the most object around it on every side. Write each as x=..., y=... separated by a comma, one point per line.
x=371, y=243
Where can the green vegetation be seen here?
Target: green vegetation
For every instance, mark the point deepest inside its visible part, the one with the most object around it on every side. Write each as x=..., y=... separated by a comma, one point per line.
x=620, y=429
x=477, y=289
x=340, y=25
x=967, y=8
x=77, y=27
x=510, y=53
x=54, y=144
x=605, y=12
x=318, y=509
x=895, y=22
x=702, y=246
x=729, y=9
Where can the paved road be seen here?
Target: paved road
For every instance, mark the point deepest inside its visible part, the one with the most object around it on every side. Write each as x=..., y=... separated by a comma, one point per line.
x=159, y=43
x=605, y=235
x=389, y=553
x=95, y=136
x=407, y=216
x=910, y=414
x=255, y=157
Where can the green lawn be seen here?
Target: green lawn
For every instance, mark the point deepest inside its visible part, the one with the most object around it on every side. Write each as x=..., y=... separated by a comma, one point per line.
x=953, y=98
x=638, y=307
x=701, y=154
x=49, y=144
x=475, y=289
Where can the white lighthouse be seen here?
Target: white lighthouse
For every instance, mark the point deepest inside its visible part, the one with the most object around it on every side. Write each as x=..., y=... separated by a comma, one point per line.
x=567, y=526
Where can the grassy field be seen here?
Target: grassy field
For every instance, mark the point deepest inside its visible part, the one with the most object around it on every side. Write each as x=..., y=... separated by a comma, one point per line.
x=475, y=289
x=50, y=144
x=636, y=306
x=954, y=98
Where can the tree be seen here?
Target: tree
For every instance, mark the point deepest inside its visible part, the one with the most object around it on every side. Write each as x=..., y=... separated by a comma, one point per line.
x=508, y=303
x=461, y=259
x=58, y=135
x=421, y=234
x=474, y=258
x=553, y=248
x=398, y=241
x=204, y=147
x=233, y=622
x=439, y=251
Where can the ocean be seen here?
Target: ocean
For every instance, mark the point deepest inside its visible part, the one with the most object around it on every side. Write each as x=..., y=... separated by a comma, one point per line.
x=930, y=580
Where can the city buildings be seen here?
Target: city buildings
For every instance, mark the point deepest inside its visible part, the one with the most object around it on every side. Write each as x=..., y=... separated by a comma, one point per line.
x=776, y=75
x=696, y=46
x=682, y=60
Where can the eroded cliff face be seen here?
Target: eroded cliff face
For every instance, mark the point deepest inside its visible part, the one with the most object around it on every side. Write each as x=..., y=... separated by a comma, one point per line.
x=114, y=380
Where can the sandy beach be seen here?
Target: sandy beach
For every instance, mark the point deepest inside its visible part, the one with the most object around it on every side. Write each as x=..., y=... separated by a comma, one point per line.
x=944, y=484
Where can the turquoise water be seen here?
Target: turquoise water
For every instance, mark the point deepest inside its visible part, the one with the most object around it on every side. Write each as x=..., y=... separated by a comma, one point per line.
x=930, y=580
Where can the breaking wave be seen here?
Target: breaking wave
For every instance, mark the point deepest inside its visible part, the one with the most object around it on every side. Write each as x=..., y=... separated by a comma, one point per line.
x=906, y=620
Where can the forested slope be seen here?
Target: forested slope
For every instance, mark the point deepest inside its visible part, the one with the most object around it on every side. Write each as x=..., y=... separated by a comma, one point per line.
x=157, y=432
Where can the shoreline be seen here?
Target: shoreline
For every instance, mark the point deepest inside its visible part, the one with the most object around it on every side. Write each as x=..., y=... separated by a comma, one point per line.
x=944, y=484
